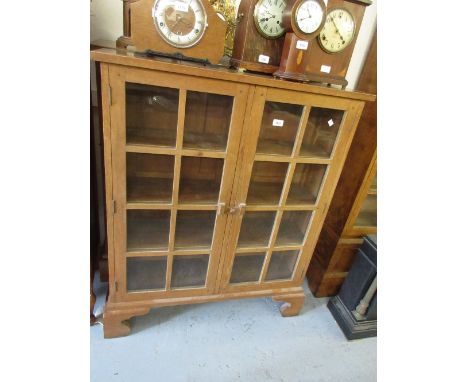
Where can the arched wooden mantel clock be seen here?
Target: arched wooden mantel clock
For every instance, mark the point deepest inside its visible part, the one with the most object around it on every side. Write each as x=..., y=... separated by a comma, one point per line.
x=190, y=27
x=303, y=19
x=259, y=35
x=330, y=53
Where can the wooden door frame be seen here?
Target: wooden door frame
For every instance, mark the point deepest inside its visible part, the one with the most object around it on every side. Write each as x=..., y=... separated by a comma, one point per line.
x=117, y=77
x=247, y=155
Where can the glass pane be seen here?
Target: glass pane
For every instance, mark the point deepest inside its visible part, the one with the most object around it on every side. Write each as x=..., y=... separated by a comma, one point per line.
x=194, y=229
x=247, y=267
x=151, y=113
x=256, y=229
x=306, y=183
x=321, y=131
x=266, y=183
x=200, y=180
x=293, y=227
x=189, y=271
x=279, y=128
x=368, y=215
x=373, y=186
x=149, y=178
x=281, y=265
x=207, y=121
x=146, y=273
x=147, y=230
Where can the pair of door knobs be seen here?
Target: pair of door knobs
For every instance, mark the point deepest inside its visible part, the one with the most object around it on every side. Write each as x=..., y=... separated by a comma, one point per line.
x=223, y=209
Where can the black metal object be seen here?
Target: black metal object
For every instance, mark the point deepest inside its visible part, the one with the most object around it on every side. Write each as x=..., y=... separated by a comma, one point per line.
x=175, y=56
x=359, y=279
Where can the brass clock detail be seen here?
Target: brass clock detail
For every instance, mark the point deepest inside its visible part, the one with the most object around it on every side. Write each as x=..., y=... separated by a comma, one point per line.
x=268, y=16
x=181, y=23
x=338, y=31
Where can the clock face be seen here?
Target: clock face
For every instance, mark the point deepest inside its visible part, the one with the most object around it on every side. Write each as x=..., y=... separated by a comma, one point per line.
x=181, y=23
x=268, y=15
x=338, y=31
x=308, y=17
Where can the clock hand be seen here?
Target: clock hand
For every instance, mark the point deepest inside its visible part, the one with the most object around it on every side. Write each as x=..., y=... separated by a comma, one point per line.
x=337, y=30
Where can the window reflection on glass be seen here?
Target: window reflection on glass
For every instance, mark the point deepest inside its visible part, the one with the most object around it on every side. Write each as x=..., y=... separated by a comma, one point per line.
x=280, y=123
x=151, y=115
x=321, y=132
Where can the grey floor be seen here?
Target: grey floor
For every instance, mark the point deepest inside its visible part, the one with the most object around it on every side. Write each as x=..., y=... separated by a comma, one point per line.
x=242, y=340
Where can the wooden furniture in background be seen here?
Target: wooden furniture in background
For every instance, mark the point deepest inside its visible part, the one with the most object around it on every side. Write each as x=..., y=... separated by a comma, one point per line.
x=217, y=182
x=353, y=209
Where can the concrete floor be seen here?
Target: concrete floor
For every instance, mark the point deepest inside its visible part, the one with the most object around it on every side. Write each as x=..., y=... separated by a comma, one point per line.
x=241, y=340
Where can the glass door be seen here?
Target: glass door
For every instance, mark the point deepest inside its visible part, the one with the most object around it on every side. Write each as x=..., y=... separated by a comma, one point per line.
x=289, y=146
x=363, y=216
x=175, y=145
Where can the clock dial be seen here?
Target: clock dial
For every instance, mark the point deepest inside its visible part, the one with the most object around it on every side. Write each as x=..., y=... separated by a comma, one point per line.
x=268, y=17
x=181, y=23
x=308, y=17
x=338, y=31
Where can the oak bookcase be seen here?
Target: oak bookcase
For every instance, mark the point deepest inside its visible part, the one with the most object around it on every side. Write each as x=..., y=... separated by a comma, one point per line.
x=217, y=182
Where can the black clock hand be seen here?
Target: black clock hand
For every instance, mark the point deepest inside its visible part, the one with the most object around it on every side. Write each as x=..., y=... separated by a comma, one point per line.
x=337, y=30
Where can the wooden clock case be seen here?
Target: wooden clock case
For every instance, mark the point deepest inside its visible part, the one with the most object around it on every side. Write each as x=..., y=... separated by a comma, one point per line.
x=140, y=32
x=294, y=62
x=320, y=62
x=249, y=44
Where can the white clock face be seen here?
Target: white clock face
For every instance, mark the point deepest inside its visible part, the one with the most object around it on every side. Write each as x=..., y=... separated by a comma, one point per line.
x=180, y=23
x=338, y=31
x=309, y=16
x=268, y=17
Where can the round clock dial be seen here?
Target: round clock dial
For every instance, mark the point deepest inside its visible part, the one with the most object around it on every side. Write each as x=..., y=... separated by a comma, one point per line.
x=338, y=31
x=268, y=15
x=308, y=17
x=181, y=23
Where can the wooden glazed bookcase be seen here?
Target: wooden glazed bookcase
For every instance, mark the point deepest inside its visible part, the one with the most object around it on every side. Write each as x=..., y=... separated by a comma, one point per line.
x=353, y=209
x=217, y=182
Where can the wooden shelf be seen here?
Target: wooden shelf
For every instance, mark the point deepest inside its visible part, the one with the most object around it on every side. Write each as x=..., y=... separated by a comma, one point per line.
x=281, y=265
x=146, y=273
x=293, y=228
x=367, y=217
x=189, y=271
x=151, y=137
x=313, y=151
x=194, y=229
x=299, y=195
x=204, y=141
x=149, y=190
x=198, y=192
x=247, y=267
x=273, y=147
x=200, y=180
x=147, y=230
x=256, y=229
x=261, y=193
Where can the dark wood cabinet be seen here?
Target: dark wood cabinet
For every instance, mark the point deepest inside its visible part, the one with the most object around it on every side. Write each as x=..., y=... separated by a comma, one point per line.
x=353, y=209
